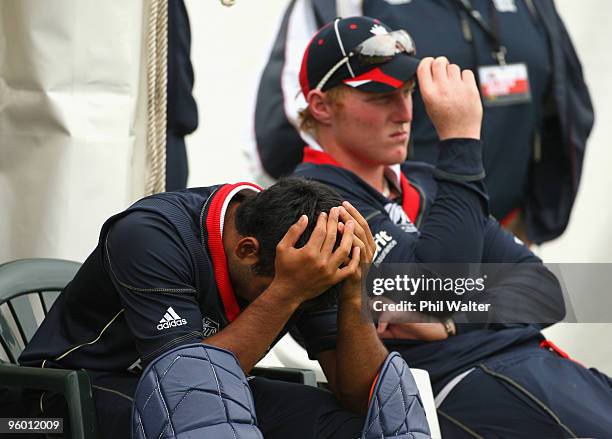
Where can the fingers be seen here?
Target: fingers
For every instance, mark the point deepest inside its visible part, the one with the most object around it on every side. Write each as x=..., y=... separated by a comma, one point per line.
x=453, y=72
x=424, y=77
x=468, y=76
x=331, y=231
x=364, y=232
x=319, y=232
x=293, y=233
x=359, y=235
x=345, y=216
x=352, y=267
x=381, y=327
x=350, y=209
x=362, y=222
x=431, y=71
x=438, y=69
x=346, y=244
x=358, y=243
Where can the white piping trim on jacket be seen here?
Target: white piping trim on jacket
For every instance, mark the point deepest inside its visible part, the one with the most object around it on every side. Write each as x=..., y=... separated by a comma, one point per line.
x=88, y=343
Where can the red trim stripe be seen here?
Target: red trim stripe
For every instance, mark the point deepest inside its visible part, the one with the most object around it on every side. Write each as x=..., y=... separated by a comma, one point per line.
x=372, y=388
x=318, y=157
x=214, y=221
x=549, y=345
x=411, y=198
x=303, y=75
x=510, y=217
x=376, y=75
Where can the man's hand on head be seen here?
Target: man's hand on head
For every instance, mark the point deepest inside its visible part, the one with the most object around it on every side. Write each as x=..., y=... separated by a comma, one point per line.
x=304, y=273
x=362, y=238
x=451, y=98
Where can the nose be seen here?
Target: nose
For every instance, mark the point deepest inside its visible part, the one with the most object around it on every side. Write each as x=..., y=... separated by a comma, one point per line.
x=403, y=108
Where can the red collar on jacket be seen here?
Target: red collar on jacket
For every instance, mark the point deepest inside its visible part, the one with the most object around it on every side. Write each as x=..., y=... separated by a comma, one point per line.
x=411, y=199
x=214, y=228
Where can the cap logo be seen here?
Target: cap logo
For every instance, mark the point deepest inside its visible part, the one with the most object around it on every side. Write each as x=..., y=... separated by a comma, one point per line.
x=377, y=29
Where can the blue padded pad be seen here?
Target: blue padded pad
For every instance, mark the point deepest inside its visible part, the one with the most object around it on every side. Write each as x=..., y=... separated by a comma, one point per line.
x=194, y=391
x=395, y=410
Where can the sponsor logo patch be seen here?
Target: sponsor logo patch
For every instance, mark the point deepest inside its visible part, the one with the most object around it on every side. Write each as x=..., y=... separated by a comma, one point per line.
x=377, y=29
x=384, y=244
x=209, y=327
x=170, y=320
x=399, y=217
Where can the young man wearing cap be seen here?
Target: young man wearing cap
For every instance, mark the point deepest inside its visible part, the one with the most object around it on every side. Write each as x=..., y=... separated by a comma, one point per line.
x=230, y=266
x=357, y=77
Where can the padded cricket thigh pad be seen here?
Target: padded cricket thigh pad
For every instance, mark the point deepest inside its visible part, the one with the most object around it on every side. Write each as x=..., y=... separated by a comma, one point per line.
x=395, y=409
x=194, y=391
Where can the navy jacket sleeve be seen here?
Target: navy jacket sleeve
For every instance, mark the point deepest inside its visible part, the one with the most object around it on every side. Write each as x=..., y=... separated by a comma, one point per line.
x=520, y=287
x=152, y=272
x=317, y=331
x=555, y=177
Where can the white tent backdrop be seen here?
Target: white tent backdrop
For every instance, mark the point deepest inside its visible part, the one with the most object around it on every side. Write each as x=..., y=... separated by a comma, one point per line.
x=69, y=88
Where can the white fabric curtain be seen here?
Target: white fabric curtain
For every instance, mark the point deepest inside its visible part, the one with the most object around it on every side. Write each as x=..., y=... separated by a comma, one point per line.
x=72, y=122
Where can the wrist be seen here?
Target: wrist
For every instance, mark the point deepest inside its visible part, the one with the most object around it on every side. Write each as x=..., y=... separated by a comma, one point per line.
x=449, y=327
x=463, y=134
x=350, y=292
x=460, y=157
x=281, y=296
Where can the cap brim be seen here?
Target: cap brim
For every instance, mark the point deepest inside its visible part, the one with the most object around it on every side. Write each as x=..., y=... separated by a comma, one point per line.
x=386, y=77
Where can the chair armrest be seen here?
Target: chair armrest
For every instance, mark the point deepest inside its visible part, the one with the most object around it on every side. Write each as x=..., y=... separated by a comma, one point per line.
x=289, y=374
x=73, y=384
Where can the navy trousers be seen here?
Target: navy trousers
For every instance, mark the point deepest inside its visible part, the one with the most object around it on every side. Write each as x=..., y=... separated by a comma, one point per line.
x=284, y=410
x=529, y=393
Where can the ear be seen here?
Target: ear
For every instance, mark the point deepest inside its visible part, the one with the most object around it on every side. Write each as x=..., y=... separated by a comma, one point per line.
x=320, y=107
x=247, y=250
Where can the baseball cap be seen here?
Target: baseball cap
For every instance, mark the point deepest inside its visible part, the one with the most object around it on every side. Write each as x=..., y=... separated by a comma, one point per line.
x=361, y=52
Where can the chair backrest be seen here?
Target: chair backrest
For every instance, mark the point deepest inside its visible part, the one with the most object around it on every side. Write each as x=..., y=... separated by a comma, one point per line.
x=28, y=288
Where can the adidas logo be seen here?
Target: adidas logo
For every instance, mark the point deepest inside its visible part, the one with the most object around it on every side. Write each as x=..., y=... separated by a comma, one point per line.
x=170, y=320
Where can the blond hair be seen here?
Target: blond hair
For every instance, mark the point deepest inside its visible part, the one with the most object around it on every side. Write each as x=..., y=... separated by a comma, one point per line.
x=307, y=122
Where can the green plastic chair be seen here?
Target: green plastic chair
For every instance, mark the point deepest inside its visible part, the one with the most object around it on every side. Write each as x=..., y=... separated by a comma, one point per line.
x=28, y=288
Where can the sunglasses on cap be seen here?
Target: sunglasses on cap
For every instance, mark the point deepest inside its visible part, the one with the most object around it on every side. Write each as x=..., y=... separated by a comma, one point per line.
x=377, y=49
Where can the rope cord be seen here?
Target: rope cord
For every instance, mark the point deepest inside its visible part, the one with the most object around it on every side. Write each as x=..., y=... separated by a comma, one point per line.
x=157, y=81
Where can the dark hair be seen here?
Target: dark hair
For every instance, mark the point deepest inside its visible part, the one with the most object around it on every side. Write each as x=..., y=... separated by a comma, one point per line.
x=268, y=215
